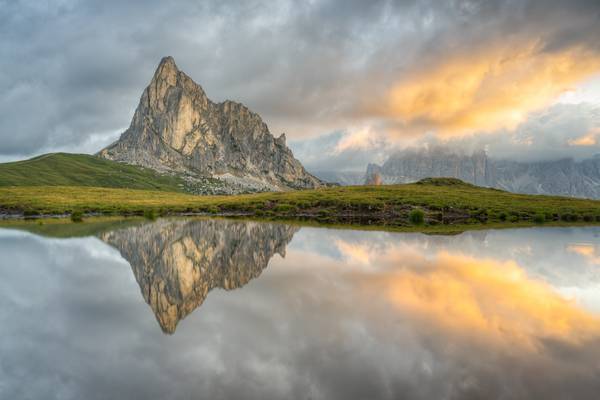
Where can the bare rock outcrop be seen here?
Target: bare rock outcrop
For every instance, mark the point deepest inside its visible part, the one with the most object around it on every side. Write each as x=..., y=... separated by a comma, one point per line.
x=177, y=128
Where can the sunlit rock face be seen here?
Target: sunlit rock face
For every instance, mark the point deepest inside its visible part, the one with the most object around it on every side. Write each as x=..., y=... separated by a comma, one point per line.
x=565, y=177
x=177, y=263
x=176, y=127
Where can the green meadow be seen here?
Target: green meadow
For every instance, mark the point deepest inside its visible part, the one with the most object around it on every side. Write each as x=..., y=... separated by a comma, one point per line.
x=441, y=201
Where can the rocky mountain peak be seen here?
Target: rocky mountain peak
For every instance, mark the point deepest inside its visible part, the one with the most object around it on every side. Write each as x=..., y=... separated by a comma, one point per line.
x=281, y=140
x=176, y=128
x=167, y=71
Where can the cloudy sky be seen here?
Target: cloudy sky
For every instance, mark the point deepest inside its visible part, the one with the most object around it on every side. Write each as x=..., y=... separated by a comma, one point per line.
x=348, y=81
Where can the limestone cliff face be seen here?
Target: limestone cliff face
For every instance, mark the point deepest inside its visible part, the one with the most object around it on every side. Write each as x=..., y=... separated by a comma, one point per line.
x=410, y=166
x=178, y=262
x=176, y=127
x=564, y=177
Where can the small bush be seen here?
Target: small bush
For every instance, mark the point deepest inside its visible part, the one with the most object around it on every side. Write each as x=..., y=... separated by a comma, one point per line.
x=502, y=216
x=285, y=208
x=150, y=214
x=77, y=216
x=324, y=213
x=588, y=218
x=416, y=217
x=303, y=204
x=480, y=214
x=569, y=217
x=539, y=218
x=30, y=213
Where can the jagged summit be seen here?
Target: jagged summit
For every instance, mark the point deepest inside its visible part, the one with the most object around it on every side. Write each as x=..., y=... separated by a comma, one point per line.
x=177, y=128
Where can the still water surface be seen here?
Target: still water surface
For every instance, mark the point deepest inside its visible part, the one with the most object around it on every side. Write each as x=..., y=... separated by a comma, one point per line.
x=200, y=308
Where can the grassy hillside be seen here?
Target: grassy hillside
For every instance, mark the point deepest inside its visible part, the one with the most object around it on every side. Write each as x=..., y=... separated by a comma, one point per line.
x=62, y=169
x=438, y=201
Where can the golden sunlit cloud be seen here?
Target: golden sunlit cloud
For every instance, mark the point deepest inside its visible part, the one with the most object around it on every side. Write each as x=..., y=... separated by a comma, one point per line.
x=491, y=298
x=588, y=251
x=461, y=295
x=589, y=139
x=362, y=138
x=488, y=90
x=355, y=253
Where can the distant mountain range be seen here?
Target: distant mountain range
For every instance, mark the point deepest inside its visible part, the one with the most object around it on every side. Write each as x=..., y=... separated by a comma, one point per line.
x=564, y=177
x=177, y=128
x=344, y=178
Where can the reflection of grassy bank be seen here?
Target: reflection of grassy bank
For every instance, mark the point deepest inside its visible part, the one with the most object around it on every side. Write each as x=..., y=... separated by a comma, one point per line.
x=64, y=228
x=92, y=226
x=453, y=229
x=443, y=202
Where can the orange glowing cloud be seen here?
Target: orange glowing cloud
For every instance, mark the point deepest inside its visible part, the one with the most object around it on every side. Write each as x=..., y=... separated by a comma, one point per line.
x=588, y=251
x=491, y=89
x=589, y=139
x=490, y=298
x=484, y=299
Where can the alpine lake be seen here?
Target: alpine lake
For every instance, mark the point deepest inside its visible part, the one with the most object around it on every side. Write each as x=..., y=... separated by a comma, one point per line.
x=201, y=308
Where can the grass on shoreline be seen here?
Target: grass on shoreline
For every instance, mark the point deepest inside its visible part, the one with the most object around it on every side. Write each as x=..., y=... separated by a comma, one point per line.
x=443, y=201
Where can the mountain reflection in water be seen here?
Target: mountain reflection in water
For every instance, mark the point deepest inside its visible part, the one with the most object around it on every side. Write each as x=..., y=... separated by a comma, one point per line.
x=178, y=262
x=507, y=314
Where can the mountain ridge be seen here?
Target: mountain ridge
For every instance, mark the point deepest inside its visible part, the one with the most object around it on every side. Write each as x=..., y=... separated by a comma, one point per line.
x=177, y=128
x=563, y=177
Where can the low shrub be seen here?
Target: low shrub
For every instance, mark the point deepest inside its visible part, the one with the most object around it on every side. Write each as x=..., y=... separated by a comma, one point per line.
x=303, y=204
x=324, y=213
x=569, y=217
x=539, y=218
x=77, y=216
x=150, y=214
x=416, y=216
x=285, y=208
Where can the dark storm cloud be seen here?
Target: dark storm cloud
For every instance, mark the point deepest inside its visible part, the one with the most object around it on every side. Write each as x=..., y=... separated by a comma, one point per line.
x=72, y=71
